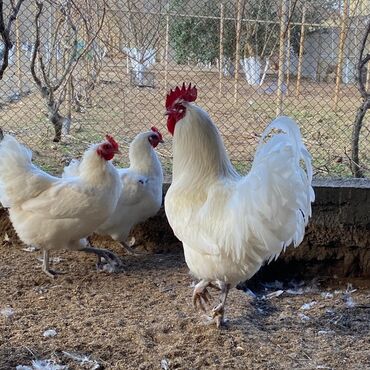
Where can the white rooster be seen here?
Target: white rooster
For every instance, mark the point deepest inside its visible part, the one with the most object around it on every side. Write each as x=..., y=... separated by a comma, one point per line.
x=59, y=213
x=230, y=225
x=141, y=189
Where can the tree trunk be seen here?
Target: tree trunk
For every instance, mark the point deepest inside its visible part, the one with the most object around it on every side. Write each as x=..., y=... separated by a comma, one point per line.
x=252, y=70
x=363, y=61
x=356, y=138
x=57, y=120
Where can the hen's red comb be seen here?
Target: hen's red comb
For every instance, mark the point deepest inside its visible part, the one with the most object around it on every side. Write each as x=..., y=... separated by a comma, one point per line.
x=154, y=129
x=112, y=141
x=184, y=93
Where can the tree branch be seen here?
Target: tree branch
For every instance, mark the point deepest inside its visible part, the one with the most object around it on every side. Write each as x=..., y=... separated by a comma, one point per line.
x=355, y=164
x=361, y=65
x=37, y=46
x=5, y=33
x=87, y=47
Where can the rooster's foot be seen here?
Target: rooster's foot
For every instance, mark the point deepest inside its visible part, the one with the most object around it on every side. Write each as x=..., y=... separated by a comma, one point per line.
x=218, y=315
x=201, y=296
x=219, y=311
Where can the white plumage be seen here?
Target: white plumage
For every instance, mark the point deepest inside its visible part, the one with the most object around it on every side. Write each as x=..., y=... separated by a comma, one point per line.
x=52, y=212
x=141, y=188
x=229, y=224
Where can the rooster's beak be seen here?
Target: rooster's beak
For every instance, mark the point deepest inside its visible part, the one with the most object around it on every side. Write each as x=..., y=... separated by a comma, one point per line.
x=169, y=111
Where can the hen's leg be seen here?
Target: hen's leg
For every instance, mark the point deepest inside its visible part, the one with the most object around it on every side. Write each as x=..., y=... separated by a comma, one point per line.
x=128, y=249
x=113, y=260
x=46, y=265
x=89, y=240
x=219, y=310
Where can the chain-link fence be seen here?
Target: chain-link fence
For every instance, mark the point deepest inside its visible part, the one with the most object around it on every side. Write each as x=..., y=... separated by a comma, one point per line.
x=81, y=68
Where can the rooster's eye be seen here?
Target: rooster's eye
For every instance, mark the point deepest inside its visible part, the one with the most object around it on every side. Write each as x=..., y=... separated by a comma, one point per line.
x=180, y=108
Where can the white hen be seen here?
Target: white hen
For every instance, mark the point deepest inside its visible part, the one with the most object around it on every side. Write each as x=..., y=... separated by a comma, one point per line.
x=230, y=225
x=58, y=213
x=141, y=191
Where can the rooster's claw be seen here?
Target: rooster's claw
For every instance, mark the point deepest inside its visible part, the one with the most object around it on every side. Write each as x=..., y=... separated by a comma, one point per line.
x=201, y=296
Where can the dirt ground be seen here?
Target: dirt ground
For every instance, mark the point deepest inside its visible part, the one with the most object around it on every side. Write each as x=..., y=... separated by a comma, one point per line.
x=143, y=318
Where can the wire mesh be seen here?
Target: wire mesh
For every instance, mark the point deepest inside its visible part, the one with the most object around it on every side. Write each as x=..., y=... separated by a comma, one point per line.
x=87, y=68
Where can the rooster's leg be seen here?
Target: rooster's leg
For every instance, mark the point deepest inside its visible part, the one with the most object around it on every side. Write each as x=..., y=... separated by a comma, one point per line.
x=113, y=260
x=46, y=265
x=219, y=310
x=201, y=296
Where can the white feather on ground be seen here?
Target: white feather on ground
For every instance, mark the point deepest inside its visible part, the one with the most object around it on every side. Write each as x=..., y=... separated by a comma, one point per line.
x=42, y=365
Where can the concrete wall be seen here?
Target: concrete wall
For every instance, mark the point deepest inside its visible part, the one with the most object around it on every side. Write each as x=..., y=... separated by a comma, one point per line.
x=337, y=240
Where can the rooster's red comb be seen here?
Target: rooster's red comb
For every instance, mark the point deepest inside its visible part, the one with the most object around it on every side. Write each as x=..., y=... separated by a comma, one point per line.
x=184, y=93
x=154, y=129
x=112, y=141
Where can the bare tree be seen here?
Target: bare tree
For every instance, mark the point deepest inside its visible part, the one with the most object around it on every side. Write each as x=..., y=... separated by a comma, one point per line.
x=5, y=31
x=141, y=28
x=361, y=112
x=84, y=82
x=63, y=50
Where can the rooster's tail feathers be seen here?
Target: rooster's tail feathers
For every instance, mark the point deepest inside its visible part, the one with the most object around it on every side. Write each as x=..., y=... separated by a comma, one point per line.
x=294, y=149
x=293, y=132
x=281, y=178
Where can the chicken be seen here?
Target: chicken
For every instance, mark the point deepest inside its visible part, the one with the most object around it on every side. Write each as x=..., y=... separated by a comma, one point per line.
x=59, y=213
x=229, y=224
x=141, y=189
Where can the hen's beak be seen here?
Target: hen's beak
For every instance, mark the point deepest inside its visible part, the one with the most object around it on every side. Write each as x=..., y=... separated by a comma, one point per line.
x=160, y=140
